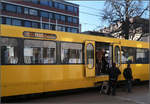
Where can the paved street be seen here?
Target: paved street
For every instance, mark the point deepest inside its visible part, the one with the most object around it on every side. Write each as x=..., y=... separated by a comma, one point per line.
x=138, y=96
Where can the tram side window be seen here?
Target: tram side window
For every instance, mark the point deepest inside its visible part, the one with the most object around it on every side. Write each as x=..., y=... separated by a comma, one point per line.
x=128, y=55
x=142, y=56
x=9, y=52
x=39, y=52
x=71, y=53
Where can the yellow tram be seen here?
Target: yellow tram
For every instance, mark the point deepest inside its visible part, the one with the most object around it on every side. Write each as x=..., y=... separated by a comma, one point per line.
x=37, y=60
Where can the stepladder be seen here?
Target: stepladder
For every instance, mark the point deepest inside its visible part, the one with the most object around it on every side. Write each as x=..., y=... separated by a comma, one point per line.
x=104, y=87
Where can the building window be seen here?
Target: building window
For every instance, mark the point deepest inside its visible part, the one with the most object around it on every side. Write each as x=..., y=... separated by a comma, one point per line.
x=70, y=8
x=63, y=28
x=71, y=53
x=33, y=12
x=9, y=51
x=39, y=52
x=50, y=15
x=74, y=20
x=57, y=16
x=62, y=18
x=56, y=5
x=75, y=10
x=26, y=11
x=69, y=29
x=45, y=26
x=50, y=3
x=27, y=24
x=10, y=8
x=16, y=22
x=74, y=30
x=61, y=6
x=53, y=27
x=44, y=14
x=19, y=10
x=69, y=19
x=34, y=1
x=44, y=2
x=1, y=6
x=35, y=24
x=8, y=21
x=59, y=28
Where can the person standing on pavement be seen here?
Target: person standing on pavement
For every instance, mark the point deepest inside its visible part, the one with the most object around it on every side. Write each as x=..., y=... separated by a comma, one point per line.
x=113, y=72
x=128, y=77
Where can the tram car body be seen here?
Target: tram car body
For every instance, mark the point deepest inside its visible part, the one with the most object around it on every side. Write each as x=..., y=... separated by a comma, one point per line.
x=37, y=60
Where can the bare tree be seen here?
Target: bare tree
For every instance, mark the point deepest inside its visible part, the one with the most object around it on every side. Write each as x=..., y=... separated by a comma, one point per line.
x=123, y=11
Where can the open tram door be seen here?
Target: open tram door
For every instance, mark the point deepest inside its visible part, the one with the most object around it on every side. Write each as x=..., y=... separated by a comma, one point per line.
x=89, y=58
x=117, y=55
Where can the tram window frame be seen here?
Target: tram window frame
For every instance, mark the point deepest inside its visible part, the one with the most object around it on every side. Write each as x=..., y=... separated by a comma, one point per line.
x=69, y=46
x=133, y=55
x=12, y=46
x=117, y=55
x=43, y=44
x=143, y=52
x=90, y=61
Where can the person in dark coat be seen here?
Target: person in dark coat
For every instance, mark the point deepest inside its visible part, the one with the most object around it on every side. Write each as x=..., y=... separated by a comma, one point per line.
x=128, y=77
x=104, y=65
x=113, y=72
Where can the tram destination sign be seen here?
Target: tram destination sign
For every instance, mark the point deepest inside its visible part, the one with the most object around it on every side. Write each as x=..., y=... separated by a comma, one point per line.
x=39, y=35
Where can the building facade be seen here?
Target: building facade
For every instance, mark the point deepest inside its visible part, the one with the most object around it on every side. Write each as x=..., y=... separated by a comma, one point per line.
x=139, y=28
x=45, y=14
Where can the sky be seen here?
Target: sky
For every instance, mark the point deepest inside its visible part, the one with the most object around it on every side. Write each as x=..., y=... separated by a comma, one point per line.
x=89, y=14
x=94, y=8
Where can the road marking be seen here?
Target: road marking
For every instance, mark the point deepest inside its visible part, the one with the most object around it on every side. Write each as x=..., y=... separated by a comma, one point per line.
x=128, y=99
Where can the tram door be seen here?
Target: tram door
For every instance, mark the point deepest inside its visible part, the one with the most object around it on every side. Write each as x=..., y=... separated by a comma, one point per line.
x=89, y=58
x=117, y=55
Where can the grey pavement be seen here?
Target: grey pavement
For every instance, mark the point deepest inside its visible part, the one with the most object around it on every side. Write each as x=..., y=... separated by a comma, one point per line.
x=139, y=95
